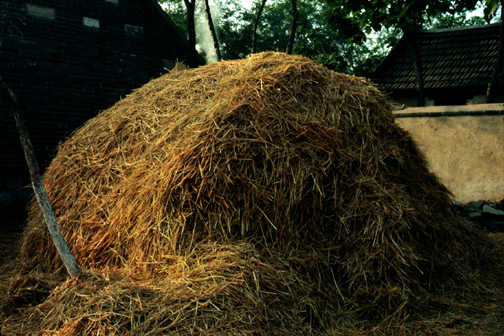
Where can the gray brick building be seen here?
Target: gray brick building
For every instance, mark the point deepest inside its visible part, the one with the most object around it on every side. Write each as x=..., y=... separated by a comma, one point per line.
x=66, y=61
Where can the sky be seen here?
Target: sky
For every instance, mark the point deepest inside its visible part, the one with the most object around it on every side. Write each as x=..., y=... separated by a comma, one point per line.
x=247, y=3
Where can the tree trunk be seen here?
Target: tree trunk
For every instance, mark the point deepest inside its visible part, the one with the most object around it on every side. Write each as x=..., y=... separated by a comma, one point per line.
x=293, y=26
x=417, y=65
x=256, y=22
x=38, y=187
x=190, y=5
x=212, y=31
x=492, y=90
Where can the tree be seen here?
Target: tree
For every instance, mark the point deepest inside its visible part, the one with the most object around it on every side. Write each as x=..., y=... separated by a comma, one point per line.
x=212, y=31
x=373, y=51
x=406, y=15
x=342, y=51
x=254, y=30
x=314, y=37
x=293, y=26
x=490, y=10
x=191, y=30
x=177, y=11
x=452, y=20
x=235, y=29
x=242, y=30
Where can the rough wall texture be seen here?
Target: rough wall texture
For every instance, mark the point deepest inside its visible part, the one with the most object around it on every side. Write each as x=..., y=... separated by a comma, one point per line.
x=465, y=151
x=66, y=61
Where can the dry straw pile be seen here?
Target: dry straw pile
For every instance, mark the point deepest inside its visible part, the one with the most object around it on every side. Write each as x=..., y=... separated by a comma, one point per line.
x=262, y=196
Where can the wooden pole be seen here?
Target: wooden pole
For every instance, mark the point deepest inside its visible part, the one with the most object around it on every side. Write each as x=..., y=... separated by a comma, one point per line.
x=8, y=96
x=410, y=36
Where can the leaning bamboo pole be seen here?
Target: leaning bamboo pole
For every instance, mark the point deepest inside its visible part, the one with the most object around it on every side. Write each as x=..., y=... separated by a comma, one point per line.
x=38, y=187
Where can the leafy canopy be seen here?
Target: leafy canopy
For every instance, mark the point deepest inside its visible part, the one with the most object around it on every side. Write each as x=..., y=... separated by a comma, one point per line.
x=351, y=36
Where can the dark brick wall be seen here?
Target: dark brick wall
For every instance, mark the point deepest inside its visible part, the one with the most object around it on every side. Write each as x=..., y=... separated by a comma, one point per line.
x=65, y=72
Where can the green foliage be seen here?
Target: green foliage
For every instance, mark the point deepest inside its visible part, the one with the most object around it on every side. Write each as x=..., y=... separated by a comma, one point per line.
x=372, y=15
x=377, y=47
x=390, y=18
x=490, y=9
x=177, y=12
x=351, y=36
x=235, y=30
x=274, y=25
x=447, y=20
x=314, y=37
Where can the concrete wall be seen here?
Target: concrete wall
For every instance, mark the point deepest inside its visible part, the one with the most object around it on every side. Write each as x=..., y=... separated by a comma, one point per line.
x=464, y=145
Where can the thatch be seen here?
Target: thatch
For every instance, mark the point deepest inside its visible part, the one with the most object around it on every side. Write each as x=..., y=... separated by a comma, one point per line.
x=265, y=195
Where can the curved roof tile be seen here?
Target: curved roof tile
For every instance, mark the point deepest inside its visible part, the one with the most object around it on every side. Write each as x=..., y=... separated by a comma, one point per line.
x=452, y=57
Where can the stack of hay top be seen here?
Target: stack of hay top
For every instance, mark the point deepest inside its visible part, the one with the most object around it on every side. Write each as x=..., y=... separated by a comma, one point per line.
x=273, y=151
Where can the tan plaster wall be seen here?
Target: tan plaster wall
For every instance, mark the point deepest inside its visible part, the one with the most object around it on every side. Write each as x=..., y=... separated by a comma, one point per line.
x=466, y=152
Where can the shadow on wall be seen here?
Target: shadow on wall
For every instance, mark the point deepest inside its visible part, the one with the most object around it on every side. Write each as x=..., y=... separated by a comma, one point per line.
x=464, y=146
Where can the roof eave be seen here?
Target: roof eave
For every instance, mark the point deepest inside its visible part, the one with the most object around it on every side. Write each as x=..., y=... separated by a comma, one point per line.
x=157, y=12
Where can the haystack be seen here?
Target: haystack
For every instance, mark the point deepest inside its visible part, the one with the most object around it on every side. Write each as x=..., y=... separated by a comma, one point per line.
x=279, y=193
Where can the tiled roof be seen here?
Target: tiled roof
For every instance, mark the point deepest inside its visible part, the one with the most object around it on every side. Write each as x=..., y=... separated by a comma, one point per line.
x=452, y=57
